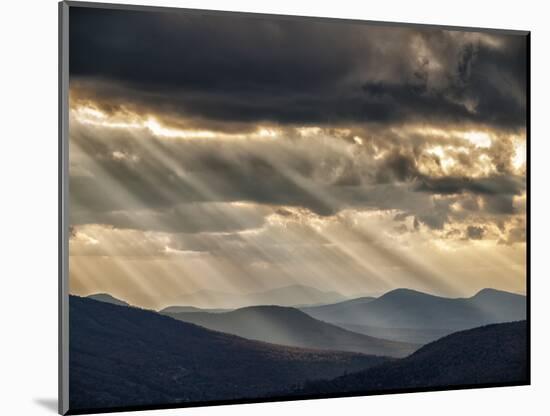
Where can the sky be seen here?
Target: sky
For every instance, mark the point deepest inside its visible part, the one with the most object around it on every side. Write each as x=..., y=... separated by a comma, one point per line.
x=239, y=153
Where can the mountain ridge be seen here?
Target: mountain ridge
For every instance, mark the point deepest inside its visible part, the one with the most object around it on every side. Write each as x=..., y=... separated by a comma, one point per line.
x=290, y=326
x=411, y=309
x=107, y=298
x=494, y=353
x=180, y=362
x=289, y=295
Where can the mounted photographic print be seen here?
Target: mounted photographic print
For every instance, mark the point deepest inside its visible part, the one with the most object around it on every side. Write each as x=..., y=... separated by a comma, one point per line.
x=262, y=208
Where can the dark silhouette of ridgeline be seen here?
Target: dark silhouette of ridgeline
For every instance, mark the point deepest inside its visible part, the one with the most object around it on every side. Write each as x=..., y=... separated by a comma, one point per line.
x=124, y=356
x=493, y=354
x=105, y=297
x=290, y=326
x=395, y=323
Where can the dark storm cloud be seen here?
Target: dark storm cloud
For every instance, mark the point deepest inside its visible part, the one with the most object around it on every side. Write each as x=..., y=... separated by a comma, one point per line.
x=494, y=185
x=250, y=69
x=499, y=204
x=397, y=167
x=492, y=79
x=475, y=233
x=401, y=165
x=516, y=235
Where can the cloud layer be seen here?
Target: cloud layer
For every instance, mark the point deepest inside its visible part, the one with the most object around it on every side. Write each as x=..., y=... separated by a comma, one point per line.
x=252, y=69
x=243, y=153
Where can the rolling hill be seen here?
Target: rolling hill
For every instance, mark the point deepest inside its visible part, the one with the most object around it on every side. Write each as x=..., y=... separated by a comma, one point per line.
x=486, y=355
x=104, y=297
x=125, y=356
x=410, y=309
x=419, y=336
x=345, y=308
x=284, y=296
x=189, y=309
x=290, y=326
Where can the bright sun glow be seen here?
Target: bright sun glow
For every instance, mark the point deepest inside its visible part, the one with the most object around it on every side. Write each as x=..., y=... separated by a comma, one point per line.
x=520, y=155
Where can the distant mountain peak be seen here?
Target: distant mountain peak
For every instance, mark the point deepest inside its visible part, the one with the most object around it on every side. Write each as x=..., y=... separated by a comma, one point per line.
x=295, y=286
x=275, y=312
x=105, y=297
x=303, y=288
x=290, y=326
x=491, y=292
x=291, y=295
x=267, y=308
x=401, y=292
x=411, y=309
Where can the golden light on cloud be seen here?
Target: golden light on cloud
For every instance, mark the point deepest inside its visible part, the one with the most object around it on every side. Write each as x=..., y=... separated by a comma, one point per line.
x=308, y=131
x=89, y=115
x=479, y=138
x=446, y=161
